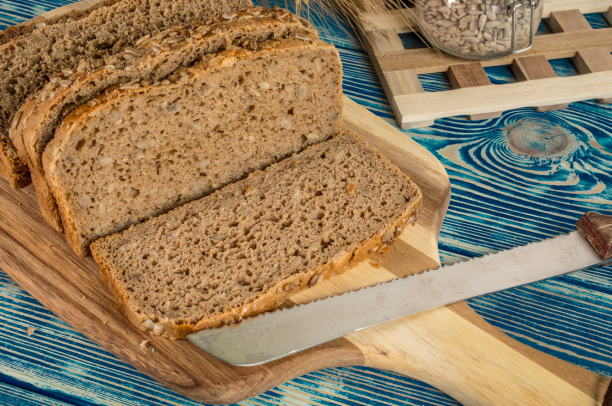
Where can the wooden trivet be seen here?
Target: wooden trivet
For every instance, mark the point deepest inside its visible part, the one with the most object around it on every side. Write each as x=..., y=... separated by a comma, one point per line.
x=473, y=94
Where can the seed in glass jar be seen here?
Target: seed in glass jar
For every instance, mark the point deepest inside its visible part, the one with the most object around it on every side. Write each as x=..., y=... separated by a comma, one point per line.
x=444, y=23
x=481, y=22
x=466, y=19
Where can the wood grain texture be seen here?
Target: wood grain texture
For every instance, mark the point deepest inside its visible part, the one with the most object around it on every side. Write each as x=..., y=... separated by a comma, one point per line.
x=534, y=68
x=470, y=75
x=467, y=75
x=12, y=395
x=597, y=228
x=535, y=384
x=593, y=60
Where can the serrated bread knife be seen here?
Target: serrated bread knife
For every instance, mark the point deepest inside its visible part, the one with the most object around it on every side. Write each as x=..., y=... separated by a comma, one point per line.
x=282, y=333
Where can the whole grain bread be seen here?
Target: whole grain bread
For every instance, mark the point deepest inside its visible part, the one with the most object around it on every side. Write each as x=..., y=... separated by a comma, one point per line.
x=154, y=57
x=39, y=51
x=243, y=250
x=143, y=148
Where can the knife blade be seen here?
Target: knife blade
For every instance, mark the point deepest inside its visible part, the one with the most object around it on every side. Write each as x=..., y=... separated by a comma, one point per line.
x=275, y=335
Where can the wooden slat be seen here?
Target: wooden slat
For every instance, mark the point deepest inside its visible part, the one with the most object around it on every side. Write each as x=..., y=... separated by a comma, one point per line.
x=398, y=83
x=401, y=83
x=594, y=60
x=468, y=75
x=471, y=75
x=478, y=100
x=562, y=45
x=534, y=68
x=568, y=21
x=608, y=15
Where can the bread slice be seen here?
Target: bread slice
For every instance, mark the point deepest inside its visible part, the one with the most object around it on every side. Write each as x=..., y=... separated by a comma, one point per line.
x=143, y=148
x=28, y=60
x=153, y=58
x=243, y=250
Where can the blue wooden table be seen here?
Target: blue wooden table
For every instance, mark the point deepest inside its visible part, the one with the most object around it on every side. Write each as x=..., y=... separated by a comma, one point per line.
x=500, y=199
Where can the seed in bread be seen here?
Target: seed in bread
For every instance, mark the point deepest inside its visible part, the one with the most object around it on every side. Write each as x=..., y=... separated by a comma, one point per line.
x=243, y=250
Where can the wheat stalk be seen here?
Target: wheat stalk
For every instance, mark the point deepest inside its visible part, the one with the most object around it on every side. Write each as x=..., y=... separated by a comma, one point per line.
x=353, y=10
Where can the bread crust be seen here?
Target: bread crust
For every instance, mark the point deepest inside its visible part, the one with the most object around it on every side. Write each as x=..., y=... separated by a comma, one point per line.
x=274, y=297
x=37, y=120
x=11, y=167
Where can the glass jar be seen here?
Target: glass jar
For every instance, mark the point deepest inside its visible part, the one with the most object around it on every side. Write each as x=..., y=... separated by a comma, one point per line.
x=479, y=29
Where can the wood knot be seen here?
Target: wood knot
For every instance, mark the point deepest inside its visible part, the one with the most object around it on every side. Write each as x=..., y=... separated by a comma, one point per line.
x=539, y=139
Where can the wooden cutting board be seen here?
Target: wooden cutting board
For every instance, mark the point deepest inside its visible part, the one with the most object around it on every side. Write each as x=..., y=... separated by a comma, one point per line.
x=451, y=348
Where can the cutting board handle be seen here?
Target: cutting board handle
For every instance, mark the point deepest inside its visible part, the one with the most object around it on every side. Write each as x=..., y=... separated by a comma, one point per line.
x=458, y=352
x=597, y=228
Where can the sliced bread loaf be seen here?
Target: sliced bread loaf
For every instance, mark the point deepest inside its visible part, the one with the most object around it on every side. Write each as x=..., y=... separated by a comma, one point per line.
x=154, y=58
x=244, y=249
x=143, y=148
x=27, y=61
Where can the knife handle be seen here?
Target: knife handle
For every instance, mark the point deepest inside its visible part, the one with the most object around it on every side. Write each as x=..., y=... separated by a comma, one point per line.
x=597, y=228
x=453, y=349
